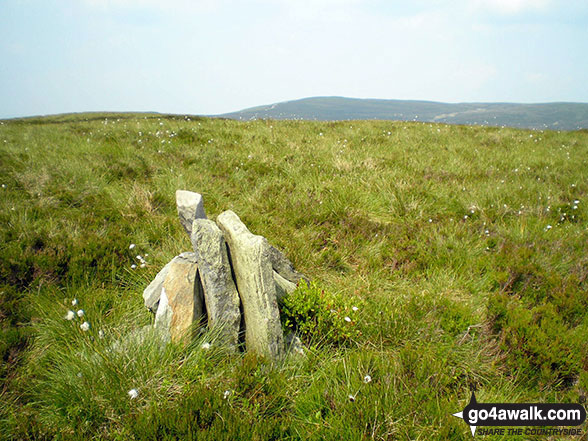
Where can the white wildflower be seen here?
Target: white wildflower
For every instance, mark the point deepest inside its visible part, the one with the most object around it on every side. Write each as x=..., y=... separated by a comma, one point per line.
x=205, y=346
x=101, y=333
x=74, y=302
x=80, y=312
x=367, y=379
x=347, y=319
x=85, y=326
x=131, y=246
x=133, y=393
x=70, y=315
x=227, y=394
x=355, y=308
x=133, y=266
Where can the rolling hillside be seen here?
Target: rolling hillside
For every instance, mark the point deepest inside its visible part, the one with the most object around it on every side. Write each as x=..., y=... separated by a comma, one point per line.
x=444, y=258
x=556, y=116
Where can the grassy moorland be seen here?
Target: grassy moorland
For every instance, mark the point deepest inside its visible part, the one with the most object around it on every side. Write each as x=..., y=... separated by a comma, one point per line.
x=458, y=254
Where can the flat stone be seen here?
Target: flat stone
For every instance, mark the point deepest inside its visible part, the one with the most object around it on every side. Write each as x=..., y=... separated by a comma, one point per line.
x=152, y=293
x=283, y=286
x=184, y=296
x=284, y=267
x=220, y=293
x=164, y=313
x=190, y=207
x=250, y=259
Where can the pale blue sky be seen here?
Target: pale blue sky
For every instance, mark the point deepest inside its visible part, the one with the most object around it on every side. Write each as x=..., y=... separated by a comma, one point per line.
x=216, y=56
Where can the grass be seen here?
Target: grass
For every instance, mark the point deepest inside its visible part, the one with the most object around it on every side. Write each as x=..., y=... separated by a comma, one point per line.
x=460, y=247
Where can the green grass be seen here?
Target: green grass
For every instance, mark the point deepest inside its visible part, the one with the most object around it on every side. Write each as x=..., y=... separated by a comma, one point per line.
x=460, y=247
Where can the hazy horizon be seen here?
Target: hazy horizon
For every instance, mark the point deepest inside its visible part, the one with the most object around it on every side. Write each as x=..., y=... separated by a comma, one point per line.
x=209, y=57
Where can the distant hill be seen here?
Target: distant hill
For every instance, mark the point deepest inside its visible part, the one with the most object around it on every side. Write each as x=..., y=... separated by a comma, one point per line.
x=556, y=116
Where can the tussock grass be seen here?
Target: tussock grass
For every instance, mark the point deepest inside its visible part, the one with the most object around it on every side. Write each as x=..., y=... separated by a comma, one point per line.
x=460, y=247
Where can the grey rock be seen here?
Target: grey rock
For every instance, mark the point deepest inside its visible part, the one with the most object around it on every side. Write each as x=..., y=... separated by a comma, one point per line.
x=294, y=345
x=283, y=286
x=184, y=297
x=164, y=313
x=152, y=293
x=250, y=258
x=284, y=267
x=220, y=292
x=190, y=207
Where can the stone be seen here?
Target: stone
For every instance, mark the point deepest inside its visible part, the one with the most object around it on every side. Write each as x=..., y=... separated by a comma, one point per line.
x=184, y=296
x=250, y=258
x=190, y=207
x=283, y=286
x=284, y=267
x=152, y=293
x=164, y=313
x=220, y=293
x=294, y=345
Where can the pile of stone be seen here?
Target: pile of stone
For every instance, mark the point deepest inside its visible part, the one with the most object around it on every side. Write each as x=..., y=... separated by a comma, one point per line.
x=231, y=283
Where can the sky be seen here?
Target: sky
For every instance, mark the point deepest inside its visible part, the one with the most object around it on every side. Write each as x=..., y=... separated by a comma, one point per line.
x=207, y=57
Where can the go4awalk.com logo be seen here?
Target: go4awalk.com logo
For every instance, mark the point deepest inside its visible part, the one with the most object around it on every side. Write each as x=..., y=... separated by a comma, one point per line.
x=511, y=416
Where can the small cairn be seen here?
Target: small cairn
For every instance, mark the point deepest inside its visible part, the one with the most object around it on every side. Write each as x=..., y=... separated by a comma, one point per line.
x=230, y=282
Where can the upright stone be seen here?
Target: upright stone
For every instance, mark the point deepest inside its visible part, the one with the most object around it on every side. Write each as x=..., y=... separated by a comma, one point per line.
x=184, y=295
x=190, y=207
x=249, y=255
x=220, y=292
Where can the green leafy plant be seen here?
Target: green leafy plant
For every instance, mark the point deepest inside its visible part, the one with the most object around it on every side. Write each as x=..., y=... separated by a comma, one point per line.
x=318, y=316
